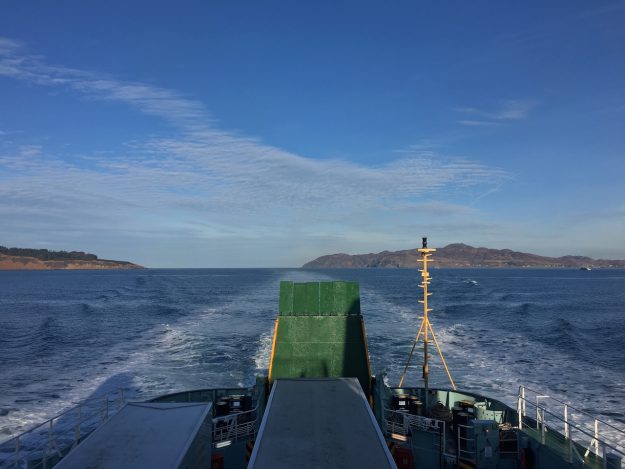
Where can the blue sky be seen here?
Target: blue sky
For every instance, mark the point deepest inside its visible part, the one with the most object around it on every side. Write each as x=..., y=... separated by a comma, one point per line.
x=243, y=134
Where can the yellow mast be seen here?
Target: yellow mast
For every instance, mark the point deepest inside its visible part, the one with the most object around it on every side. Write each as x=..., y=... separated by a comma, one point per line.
x=426, y=326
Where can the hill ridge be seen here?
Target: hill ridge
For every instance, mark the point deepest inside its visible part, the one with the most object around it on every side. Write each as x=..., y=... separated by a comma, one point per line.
x=457, y=255
x=43, y=259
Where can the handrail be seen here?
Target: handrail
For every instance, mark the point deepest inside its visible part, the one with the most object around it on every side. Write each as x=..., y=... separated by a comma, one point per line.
x=69, y=427
x=418, y=422
x=423, y=423
x=56, y=417
x=596, y=438
x=238, y=429
x=620, y=430
x=605, y=442
x=557, y=416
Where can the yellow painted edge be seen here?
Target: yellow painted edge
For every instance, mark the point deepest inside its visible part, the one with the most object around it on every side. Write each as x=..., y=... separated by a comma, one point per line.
x=273, y=347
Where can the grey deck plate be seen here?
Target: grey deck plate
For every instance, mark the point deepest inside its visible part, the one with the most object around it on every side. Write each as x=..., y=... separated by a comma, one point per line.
x=319, y=423
x=140, y=435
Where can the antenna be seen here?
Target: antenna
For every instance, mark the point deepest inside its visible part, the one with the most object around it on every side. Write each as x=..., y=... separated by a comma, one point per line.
x=426, y=326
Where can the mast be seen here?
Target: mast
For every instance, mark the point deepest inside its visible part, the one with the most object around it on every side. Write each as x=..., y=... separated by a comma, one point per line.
x=426, y=326
x=425, y=281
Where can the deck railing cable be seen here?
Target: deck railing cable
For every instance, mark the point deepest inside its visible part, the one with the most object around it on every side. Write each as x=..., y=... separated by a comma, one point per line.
x=568, y=422
x=45, y=444
x=235, y=427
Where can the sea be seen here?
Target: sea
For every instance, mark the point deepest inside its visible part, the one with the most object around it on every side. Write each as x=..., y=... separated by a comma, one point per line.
x=66, y=336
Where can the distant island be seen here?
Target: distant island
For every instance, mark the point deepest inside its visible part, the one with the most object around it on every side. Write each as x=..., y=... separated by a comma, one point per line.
x=456, y=255
x=43, y=259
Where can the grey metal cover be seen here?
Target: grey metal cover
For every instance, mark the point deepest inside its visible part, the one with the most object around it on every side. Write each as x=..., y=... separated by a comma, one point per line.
x=319, y=423
x=147, y=435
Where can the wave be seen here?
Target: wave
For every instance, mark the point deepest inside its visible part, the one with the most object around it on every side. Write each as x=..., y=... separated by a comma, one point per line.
x=170, y=332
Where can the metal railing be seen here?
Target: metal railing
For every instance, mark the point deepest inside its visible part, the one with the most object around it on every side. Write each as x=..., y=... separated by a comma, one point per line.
x=402, y=421
x=402, y=424
x=43, y=446
x=577, y=435
x=466, y=451
x=235, y=427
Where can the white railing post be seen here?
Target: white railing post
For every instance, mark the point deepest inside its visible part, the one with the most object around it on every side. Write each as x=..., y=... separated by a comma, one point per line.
x=540, y=416
x=519, y=409
x=523, y=396
x=567, y=432
x=597, y=438
x=542, y=426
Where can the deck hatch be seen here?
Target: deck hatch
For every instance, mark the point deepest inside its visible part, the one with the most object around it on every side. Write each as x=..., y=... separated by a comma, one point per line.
x=148, y=435
x=311, y=423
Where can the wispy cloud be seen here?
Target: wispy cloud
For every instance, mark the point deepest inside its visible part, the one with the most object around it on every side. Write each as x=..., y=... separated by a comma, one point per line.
x=205, y=180
x=508, y=110
x=477, y=123
x=438, y=209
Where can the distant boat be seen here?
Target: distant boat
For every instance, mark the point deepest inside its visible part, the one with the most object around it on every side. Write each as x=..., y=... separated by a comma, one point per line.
x=585, y=268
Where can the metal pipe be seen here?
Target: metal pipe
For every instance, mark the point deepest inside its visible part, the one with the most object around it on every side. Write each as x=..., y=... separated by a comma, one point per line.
x=17, y=451
x=537, y=409
x=77, y=435
x=403, y=375
x=597, y=438
x=444, y=434
x=440, y=353
x=518, y=411
x=567, y=431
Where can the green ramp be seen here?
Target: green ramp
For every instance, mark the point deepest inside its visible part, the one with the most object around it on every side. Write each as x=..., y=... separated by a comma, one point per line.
x=320, y=333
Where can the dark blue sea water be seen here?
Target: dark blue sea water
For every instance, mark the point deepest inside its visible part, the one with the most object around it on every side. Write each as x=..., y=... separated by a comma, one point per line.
x=65, y=335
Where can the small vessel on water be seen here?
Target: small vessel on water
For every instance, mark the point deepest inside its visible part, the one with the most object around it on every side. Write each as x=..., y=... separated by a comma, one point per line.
x=320, y=406
x=587, y=267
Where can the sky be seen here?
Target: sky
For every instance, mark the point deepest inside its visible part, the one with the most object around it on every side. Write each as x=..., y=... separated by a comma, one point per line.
x=265, y=134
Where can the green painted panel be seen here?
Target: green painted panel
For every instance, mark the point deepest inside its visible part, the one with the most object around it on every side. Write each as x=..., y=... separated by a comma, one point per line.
x=321, y=346
x=299, y=299
x=286, y=298
x=312, y=298
x=352, y=295
x=319, y=298
x=326, y=298
x=339, y=298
